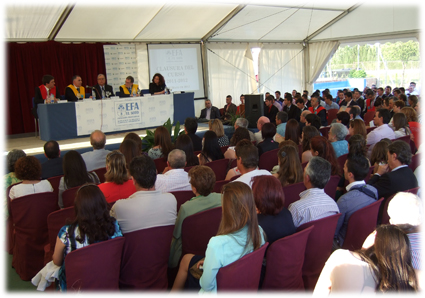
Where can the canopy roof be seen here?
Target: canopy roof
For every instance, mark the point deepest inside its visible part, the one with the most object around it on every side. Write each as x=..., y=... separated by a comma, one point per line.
x=215, y=20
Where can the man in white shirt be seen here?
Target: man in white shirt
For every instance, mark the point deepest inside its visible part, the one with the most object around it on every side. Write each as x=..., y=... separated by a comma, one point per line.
x=260, y=123
x=96, y=159
x=381, y=120
x=175, y=179
x=247, y=162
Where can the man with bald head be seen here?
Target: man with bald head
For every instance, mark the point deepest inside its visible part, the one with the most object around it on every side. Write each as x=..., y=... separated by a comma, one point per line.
x=260, y=123
x=103, y=90
x=96, y=159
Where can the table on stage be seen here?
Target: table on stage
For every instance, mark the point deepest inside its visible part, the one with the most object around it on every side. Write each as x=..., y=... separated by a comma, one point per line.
x=74, y=119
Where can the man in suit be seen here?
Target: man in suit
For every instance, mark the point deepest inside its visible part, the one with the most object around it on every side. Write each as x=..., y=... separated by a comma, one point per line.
x=53, y=166
x=129, y=89
x=43, y=91
x=292, y=110
x=229, y=109
x=210, y=112
x=270, y=111
x=300, y=104
x=318, y=110
x=103, y=90
x=75, y=91
x=358, y=100
x=396, y=175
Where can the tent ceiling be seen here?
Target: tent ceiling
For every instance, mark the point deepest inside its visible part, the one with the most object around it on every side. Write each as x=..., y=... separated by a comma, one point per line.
x=218, y=20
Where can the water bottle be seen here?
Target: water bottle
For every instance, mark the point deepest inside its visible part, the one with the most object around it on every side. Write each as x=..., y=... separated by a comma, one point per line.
x=103, y=93
x=52, y=98
x=134, y=93
x=93, y=92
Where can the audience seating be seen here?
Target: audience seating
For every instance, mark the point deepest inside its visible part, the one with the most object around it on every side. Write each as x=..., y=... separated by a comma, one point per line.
x=219, y=184
x=30, y=223
x=221, y=111
x=219, y=167
x=197, y=230
x=369, y=129
x=341, y=160
x=330, y=187
x=268, y=160
x=145, y=259
x=233, y=164
x=55, y=221
x=319, y=248
x=187, y=169
x=235, y=177
x=197, y=152
x=304, y=164
x=68, y=196
x=384, y=218
x=285, y=258
x=182, y=197
x=300, y=151
x=360, y=225
x=332, y=115
x=347, y=137
x=243, y=274
x=10, y=230
x=416, y=161
x=325, y=131
x=224, y=149
x=161, y=164
x=415, y=128
x=292, y=192
x=369, y=174
x=101, y=174
x=94, y=267
x=404, y=139
x=368, y=116
x=54, y=181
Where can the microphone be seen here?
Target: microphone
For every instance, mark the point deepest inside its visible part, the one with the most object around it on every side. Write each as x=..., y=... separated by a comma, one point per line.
x=93, y=88
x=87, y=86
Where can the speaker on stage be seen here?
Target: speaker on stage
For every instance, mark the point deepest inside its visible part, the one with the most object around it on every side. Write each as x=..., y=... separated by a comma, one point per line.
x=254, y=108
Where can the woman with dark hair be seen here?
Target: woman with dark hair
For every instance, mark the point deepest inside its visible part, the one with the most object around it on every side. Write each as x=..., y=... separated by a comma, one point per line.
x=268, y=130
x=158, y=84
x=211, y=149
x=10, y=178
x=118, y=185
x=161, y=143
x=92, y=224
x=135, y=137
x=401, y=127
x=308, y=132
x=379, y=154
x=75, y=173
x=357, y=127
x=28, y=169
x=357, y=146
x=290, y=169
x=130, y=150
x=292, y=131
x=320, y=146
x=184, y=142
x=273, y=217
x=241, y=133
x=343, y=117
x=383, y=265
x=238, y=235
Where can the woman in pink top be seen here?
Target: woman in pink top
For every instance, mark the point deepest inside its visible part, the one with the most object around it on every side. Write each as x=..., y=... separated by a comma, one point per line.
x=118, y=184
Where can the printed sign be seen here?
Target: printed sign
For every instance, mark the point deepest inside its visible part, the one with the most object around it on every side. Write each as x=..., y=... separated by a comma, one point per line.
x=128, y=112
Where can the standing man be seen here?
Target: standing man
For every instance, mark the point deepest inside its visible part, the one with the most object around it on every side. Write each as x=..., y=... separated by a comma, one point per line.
x=318, y=109
x=293, y=111
x=43, y=91
x=129, y=89
x=102, y=89
x=229, y=109
x=210, y=112
x=75, y=91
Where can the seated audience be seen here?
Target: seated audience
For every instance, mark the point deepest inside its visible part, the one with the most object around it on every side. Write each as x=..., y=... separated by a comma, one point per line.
x=175, y=179
x=217, y=126
x=292, y=131
x=410, y=113
x=281, y=119
x=202, y=180
x=211, y=149
x=28, y=169
x=184, y=143
x=314, y=203
x=401, y=127
x=11, y=159
x=313, y=120
x=130, y=150
x=190, y=127
x=92, y=224
x=290, y=170
x=240, y=134
x=135, y=137
x=260, y=122
x=396, y=175
x=307, y=134
x=355, y=113
x=270, y=111
x=321, y=147
x=74, y=173
x=357, y=146
x=268, y=130
x=357, y=127
x=344, y=118
x=53, y=166
x=147, y=207
x=162, y=143
x=381, y=120
x=242, y=122
x=210, y=111
x=96, y=159
x=117, y=184
x=238, y=235
x=303, y=120
x=273, y=217
x=241, y=108
x=291, y=109
x=318, y=109
x=336, y=137
x=380, y=154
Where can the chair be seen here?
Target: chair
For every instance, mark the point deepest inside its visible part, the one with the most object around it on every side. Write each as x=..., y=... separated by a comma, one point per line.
x=341, y=160
x=384, y=217
x=95, y=267
x=368, y=116
x=161, y=164
x=292, y=192
x=369, y=174
x=243, y=274
x=304, y=164
x=55, y=221
x=36, y=124
x=10, y=240
x=197, y=230
x=30, y=223
x=197, y=152
x=68, y=196
x=117, y=93
x=268, y=160
x=330, y=187
x=221, y=111
x=219, y=167
x=360, y=225
x=416, y=161
x=219, y=184
x=54, y=181
x=325, y=131
x=319, y=247
x=187, y=169
x=369, y=129
x=224, y=149
x=145, y=91
x=145, y=258
x=182, y=197
x=415, y=128
x=404, y=139
x=101, y=174
x=300, y=151
x=332, y=115
x=285, y=258
x=235, y=177
x=233, y=164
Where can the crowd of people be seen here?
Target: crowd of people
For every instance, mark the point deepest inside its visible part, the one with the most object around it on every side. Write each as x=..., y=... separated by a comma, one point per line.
x=307, y=143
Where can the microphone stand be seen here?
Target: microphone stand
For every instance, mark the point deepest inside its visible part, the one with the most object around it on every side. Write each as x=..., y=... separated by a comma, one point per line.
x=94, y=88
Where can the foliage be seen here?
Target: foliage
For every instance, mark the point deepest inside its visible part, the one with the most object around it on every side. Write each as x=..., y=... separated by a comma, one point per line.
x=149, y=138
x=357, y=73
x=233, y=119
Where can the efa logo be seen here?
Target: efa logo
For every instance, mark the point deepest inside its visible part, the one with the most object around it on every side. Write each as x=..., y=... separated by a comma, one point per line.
x=130, y=108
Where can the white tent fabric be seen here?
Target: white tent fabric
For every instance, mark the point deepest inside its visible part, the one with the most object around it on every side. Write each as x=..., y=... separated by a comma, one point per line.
x=143, y=66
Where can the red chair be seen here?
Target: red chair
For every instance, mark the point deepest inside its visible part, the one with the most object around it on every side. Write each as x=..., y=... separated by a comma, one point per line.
x=332, y=115
x=95, y=267
x=325, y=131
x=304, y=164
x=369, y=174
x=330, y=187
x=413, y=190
x=369, y=129
x=300, y=151
x=243, y=274
x=368, y=116
x=319, y=248
x=197, y=230
x=384, y=217
x=224, y=149
x=101, y=174
x=285, y=258
x=55, y=221
x=341, y=160
x=415, y=128
x=54, y=181
x=219, y=167
x=221, y=111
x=187, y=169
x=145, y=258
x=182, y=197
x=416, y=161
x=30, y=222
x=404, y=139
x=268, y=160
x=233, y=164
x=235, y=177
x=360, y=225
x=292, y=192
x=197, y=152
x=219, y=184
x=10, y=239
x=68, y=196
x=161, y=164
